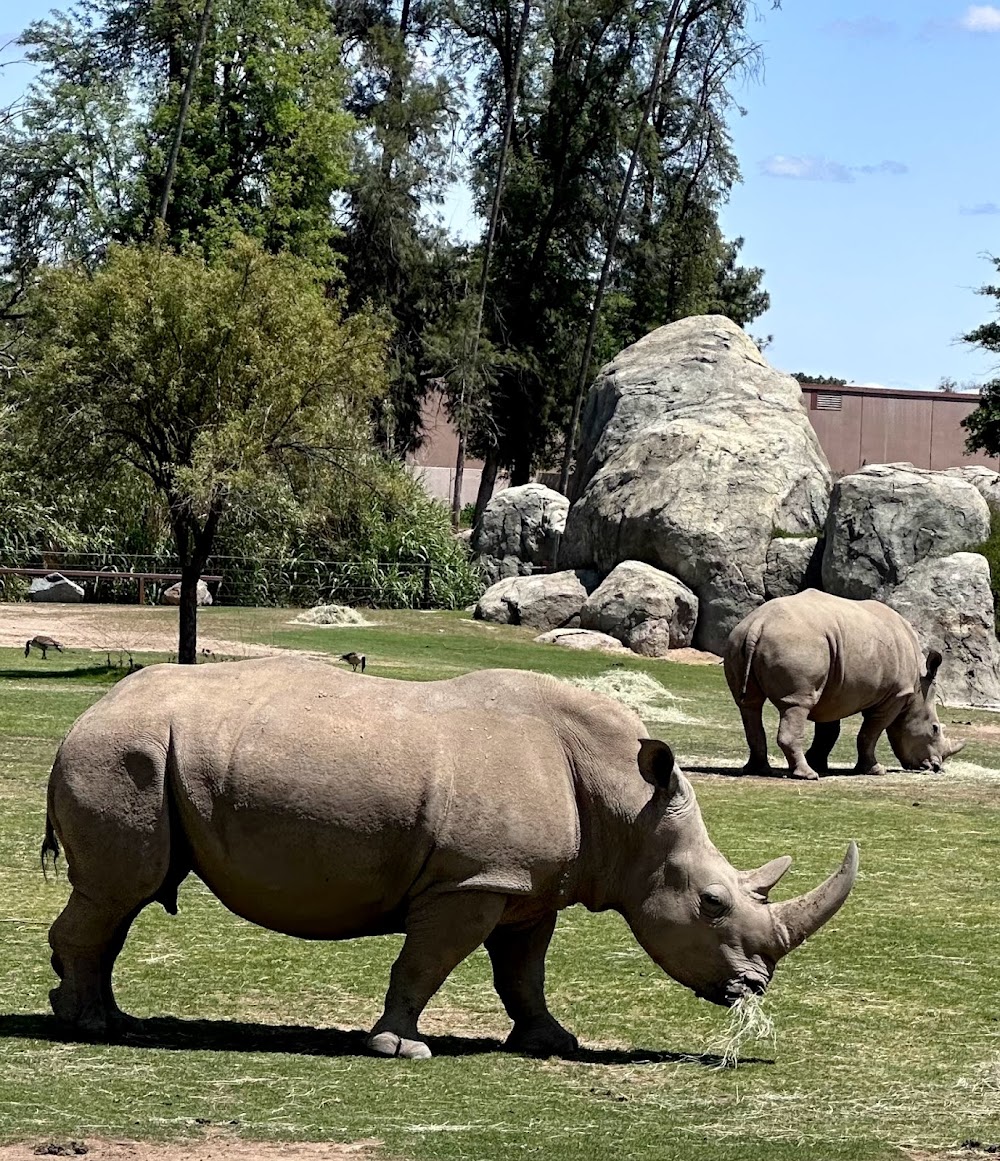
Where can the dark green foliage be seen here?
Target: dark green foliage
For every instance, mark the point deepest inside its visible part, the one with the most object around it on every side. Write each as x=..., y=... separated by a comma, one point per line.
x=990, y=548
x=828, y=380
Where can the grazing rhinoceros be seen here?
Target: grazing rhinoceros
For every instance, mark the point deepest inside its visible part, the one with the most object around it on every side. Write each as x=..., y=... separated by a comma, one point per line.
x=820, y=658
x=460, y=812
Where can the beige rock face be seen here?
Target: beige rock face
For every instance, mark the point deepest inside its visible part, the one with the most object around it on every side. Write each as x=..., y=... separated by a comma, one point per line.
x=520, y=528
x=547, y=601
x=693, y=451
x=647, y=609
x=887, y=518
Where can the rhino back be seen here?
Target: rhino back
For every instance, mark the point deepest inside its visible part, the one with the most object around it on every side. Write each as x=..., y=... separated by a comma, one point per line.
x=840, y=656
x=316, y=802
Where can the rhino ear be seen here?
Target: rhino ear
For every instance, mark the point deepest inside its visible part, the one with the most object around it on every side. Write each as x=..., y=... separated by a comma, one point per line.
x=656, y=764
x=934, y=660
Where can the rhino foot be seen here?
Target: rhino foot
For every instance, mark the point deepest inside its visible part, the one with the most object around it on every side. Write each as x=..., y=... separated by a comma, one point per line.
x=389, y=1044
x=805, y=772
x=757, y=770
x=864, y=768
x=548, y=1039
x=90, y=1019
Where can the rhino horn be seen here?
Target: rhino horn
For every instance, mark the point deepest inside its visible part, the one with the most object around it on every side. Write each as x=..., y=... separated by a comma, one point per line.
x=954, y=748
x=764, y=878
x=797, y=919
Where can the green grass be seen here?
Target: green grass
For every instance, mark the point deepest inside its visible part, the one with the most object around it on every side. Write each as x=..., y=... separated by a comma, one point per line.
x=888, y=1036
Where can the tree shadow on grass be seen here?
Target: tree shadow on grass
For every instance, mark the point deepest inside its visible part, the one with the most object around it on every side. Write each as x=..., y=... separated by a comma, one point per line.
x=168, y=1033
x=91, y=672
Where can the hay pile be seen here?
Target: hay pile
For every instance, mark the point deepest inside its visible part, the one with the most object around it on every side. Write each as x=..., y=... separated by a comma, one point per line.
x=331, y=615
x=643, y=694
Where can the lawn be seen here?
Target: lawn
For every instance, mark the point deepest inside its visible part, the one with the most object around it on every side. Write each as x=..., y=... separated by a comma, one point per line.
x=887, y=1024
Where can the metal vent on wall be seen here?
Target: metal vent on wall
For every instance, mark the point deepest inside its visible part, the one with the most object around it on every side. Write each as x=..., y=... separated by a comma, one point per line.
x=829, y=401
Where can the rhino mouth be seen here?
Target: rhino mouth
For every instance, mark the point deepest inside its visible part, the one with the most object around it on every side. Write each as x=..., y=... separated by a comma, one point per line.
x=730, y=993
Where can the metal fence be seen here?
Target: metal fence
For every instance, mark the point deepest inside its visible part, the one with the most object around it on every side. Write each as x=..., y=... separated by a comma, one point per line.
x=253, y=581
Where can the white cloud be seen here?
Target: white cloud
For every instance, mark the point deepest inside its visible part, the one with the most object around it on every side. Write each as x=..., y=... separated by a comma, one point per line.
x=981, y=208
x=980, y=18
x=822, y=169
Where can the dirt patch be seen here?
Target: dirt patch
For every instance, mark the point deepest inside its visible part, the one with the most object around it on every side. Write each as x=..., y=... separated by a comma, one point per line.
x=218, y=1148
x=112, y=629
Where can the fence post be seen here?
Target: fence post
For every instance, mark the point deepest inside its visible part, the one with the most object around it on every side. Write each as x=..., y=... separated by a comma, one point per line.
x=427, y=586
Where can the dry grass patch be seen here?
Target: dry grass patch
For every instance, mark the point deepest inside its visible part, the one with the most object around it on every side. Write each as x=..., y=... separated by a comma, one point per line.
x=218, y=1146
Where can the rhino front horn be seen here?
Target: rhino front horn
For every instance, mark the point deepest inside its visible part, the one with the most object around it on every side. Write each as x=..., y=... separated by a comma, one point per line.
x=797, y=919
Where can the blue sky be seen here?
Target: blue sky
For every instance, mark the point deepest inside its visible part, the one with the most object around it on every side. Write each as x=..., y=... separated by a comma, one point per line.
x=871, y=192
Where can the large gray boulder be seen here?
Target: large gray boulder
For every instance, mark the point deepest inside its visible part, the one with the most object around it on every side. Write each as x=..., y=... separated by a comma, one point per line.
x=887, y=518
x=693, y=451
x=56, y=588
x=520, y=527
x=585, y=639
x=985, y=480
x=793, y=564
x=647, y=609
x=546, y=601
x=950, y=604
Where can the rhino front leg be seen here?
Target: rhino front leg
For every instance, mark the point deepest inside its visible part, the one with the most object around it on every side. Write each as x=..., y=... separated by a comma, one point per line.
x=792, y=726
x=518, y=958
x=441, y=930
x=871, y=730
x=825, y=738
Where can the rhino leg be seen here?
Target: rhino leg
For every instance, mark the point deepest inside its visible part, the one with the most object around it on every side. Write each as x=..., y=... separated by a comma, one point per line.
x=86, y=940
x=871, y=730
x=751, y=711
x=441, y=930
x=824, y=739
x=792, y=726
x=518, y=958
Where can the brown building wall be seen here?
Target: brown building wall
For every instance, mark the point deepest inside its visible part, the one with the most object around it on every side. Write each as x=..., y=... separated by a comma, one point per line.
x=870, y=425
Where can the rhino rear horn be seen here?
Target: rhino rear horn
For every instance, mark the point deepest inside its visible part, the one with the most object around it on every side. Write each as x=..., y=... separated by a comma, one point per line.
x=764, y=878
x=797, y=919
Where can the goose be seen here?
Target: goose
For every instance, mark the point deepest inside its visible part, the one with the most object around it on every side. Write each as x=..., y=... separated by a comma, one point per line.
x=354, y=660
x=44, y=643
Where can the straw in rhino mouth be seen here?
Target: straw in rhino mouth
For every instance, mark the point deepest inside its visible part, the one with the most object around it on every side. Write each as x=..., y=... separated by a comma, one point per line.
x=747, y=1022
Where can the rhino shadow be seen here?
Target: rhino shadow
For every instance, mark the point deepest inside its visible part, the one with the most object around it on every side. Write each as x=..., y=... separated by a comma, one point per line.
x=172, y=1034
x=778, y=774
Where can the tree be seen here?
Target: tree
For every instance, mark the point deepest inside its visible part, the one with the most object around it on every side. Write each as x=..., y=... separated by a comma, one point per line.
x=983, y=424
x=824, y=380
x=229, y=383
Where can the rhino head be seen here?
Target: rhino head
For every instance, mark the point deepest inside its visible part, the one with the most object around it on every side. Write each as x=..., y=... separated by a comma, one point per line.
x=705, y=923
x=916, y=736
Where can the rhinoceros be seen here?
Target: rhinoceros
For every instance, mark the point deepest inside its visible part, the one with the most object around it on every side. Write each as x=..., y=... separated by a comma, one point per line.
x=820, y=658
x=462, y=812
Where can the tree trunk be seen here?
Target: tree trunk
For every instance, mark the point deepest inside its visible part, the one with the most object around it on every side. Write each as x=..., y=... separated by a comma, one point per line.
x=456, y=496
x=487, y=483
x=187, y=636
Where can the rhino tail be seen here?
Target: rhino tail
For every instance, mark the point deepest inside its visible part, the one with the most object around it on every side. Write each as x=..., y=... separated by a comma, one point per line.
x=50, y=847
x=747, y=650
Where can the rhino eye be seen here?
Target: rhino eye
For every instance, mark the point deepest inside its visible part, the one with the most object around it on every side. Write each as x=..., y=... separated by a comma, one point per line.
x=715, y=902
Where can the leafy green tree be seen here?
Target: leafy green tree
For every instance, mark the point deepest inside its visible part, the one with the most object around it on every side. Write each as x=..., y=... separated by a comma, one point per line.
x=983, y=424
x=230, y=384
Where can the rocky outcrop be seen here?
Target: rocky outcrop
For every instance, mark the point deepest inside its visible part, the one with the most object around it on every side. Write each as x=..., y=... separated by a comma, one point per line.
x=983, y=479
x=647, y=609
x=55, y=588
x=887, y=518
x=172, y=595
x=520, y=528
x=693, y=451
x=547, y=601
x=581, y=639
x=950, y=604
x=793, y=564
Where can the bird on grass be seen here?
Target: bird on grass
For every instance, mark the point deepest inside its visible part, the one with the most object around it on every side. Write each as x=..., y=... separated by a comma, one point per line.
x=354, y=660
x=44, y=643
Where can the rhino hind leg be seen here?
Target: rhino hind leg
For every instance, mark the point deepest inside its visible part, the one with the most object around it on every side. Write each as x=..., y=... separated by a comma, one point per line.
x=792, y=726
x=824, y=739
x=441, y=930
x=86, y=939
x=751, y=711
x=518, y=958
